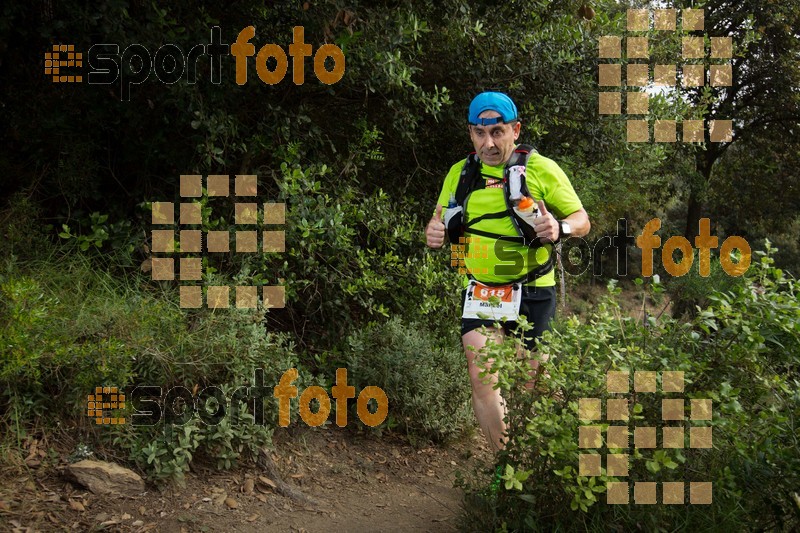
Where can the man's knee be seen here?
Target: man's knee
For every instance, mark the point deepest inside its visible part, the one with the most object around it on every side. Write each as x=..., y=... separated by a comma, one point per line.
x=474, y=342
x=487, y=381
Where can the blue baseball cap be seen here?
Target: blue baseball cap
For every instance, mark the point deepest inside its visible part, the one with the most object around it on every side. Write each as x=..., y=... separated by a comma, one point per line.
x=492, y=101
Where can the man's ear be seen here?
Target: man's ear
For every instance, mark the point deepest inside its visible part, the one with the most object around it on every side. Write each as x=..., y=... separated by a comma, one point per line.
x=517, y=129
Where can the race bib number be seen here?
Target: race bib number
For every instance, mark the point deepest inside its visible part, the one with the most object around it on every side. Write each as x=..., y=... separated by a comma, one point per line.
x=492, y=303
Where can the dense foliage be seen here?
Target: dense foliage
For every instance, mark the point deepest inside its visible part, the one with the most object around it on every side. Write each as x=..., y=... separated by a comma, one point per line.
x=358, y=165
x=740, y=351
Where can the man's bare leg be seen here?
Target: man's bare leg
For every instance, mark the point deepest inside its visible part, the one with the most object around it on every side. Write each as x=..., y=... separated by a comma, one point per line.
x=538, y=368
x=488, y=404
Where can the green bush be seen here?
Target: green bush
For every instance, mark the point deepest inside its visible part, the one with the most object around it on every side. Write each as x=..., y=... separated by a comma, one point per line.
x=22, y=235
x=79, y=316
x=352, y=256
x=740, y=351
x=692, y=290
x=60, y=342
x=426, y=383
x=67, y=328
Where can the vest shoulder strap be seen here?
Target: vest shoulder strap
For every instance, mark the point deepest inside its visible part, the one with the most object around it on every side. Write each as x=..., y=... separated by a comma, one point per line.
x=470, y=178
x=521, y=155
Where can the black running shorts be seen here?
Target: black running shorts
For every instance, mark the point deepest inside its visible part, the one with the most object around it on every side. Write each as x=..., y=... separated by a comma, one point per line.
x=538, y=306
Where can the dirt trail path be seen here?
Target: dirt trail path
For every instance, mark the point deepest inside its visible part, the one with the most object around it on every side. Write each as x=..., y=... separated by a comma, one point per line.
x=360, y=483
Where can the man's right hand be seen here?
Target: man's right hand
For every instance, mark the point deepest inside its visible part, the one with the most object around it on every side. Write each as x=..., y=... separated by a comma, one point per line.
x=434, y=232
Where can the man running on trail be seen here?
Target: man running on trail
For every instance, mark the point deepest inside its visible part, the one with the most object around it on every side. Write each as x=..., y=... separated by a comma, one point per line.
x=490, y=208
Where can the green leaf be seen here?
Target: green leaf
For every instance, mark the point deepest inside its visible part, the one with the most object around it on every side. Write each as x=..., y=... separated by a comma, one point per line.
x=653, y=466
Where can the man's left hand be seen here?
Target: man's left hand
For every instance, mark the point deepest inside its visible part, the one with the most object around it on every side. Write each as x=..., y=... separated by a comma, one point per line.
x=546, y=225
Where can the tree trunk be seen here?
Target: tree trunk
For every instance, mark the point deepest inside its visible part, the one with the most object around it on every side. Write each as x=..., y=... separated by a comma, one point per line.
x=697, y=191
x=694, y=211
x=693, y=215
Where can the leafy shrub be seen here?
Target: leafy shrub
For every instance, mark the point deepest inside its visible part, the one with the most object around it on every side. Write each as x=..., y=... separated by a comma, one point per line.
x=366, y=246
x=90, y=320
x=426, y=383
x=56, y=351
x=740, y=351
x=693, y=290
x=67, y=328
x=22, y=235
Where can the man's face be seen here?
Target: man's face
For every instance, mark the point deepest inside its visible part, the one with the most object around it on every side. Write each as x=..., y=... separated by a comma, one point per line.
x=495, y=143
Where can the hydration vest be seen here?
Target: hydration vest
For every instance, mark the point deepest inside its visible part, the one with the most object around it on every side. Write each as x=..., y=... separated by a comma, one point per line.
x=471, y=180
